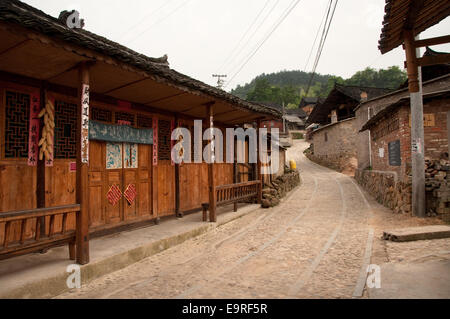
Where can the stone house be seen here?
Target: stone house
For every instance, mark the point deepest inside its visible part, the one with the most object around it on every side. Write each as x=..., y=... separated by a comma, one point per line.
x=334, y=141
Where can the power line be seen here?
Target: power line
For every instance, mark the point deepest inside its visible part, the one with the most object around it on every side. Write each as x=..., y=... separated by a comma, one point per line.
x=159, y=21
x=315, y=39
x=152, y=13
x=322, y=44
x=253, y=34
x=244, y=35
x=279, y=22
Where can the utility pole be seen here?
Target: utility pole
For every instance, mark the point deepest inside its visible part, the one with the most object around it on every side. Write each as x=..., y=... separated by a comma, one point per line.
x=220, y=82
x=417, y=130
x=284, y=120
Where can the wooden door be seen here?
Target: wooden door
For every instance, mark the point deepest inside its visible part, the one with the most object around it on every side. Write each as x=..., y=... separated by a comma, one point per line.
x=115, y=171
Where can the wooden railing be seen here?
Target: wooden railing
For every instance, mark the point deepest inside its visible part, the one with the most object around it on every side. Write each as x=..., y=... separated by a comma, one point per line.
x=39, y=240
x=233, y=194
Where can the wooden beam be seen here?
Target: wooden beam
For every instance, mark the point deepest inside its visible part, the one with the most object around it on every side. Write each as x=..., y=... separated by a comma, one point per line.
x=433, y=60
x=82, y=187
x=211, y=177
x=15, y=46
x=125, y=85
x=432, y=41
x=166, y=98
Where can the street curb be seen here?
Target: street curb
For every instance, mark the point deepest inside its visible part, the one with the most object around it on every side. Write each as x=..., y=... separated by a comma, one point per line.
x=56, y=284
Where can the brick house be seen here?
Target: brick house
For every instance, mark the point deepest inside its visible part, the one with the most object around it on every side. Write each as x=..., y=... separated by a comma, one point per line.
x=384, y=146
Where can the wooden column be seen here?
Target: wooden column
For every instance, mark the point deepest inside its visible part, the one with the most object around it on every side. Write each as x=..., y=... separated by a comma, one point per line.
x=155, y=170
x=82, y=189
x=40, y=171
x=417, y=130
x=258, y=165
x=211, y=177
x=448, y=132
x=178, y=212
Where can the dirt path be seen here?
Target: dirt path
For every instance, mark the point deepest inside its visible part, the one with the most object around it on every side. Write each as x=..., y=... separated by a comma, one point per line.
x=314, y=245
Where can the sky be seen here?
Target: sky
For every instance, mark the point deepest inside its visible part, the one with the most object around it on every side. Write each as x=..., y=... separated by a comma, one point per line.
x=206, y=37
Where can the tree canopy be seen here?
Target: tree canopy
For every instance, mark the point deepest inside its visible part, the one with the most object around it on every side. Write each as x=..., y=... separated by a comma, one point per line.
x=289, y=87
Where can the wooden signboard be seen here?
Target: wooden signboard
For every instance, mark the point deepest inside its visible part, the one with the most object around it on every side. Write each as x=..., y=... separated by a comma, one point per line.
x=33, y=138
x=395, y=154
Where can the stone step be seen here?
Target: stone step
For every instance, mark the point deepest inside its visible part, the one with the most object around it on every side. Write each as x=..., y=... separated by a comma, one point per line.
x=418, y=233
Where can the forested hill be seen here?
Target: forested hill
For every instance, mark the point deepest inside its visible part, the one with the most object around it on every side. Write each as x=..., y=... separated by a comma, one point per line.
x=289, y=87
x=297, y=79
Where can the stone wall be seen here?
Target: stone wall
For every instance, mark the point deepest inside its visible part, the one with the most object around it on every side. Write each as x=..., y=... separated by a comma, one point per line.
x=278, y=188
x=387, y=189
x=396, y=194
x=334, y=146
x=437, y=187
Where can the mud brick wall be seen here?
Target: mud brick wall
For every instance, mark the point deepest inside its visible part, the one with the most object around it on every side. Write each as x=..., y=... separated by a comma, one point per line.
x=334, y=145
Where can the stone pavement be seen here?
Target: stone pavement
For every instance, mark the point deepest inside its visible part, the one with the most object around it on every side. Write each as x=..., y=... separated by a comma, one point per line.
x=316, y=244
x=44, y=275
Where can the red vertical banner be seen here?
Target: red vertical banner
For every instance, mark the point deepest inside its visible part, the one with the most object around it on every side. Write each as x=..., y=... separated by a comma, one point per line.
x=33, y=135
x=172, y=142
x=50, y=137
x=85, y=124
x=155, y=141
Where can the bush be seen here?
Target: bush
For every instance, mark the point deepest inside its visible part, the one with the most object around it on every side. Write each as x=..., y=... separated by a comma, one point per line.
x=297, y=136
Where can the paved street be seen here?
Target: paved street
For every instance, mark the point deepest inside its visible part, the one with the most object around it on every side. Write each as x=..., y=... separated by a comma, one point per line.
x=314, y=245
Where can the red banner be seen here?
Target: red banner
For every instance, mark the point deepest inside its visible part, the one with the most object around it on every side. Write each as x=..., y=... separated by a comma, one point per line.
x=155, y=141
x=33, y=136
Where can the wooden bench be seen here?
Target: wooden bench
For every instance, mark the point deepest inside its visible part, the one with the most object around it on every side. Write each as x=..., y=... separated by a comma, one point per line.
x=38, y=240
x=233, y=194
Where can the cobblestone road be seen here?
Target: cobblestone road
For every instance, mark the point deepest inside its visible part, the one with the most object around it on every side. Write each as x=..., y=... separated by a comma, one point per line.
x=311, y=246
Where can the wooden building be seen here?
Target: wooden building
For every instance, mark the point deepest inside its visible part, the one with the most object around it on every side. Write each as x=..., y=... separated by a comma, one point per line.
x=85, y=131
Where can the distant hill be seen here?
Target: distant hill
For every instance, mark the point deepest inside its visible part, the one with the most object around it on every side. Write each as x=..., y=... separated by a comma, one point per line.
x=296, y=79
x=289, y=87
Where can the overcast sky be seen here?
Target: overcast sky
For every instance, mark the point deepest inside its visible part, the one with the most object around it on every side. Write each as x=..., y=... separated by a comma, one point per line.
x=199, y=35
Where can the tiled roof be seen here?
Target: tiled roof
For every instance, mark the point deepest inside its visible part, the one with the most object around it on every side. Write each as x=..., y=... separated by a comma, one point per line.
x=17, y=12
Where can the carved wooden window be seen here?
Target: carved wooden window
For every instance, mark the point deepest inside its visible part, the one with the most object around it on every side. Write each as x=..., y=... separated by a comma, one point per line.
x=125, y=117
x=17, y=118
x=164, y=135
x=144, y=121
x=101, y=115
x=65, y=130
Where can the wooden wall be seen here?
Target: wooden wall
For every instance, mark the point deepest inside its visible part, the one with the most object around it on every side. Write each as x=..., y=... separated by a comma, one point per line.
x=18, y=181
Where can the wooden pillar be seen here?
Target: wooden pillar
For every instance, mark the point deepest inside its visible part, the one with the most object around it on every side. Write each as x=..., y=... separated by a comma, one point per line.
x=178, y=212
x=82, y=189
x=211, y=177
x=258, y=165
x=448, y=133
x=155, y=170
x=40, y=171
x=417, y=130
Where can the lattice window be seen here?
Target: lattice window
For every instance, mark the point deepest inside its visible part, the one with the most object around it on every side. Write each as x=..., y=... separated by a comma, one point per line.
x=17, y=118
x=144, y=121
x=164, y=140
x=122, y=116
x=101, y=115
x=65, y=130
